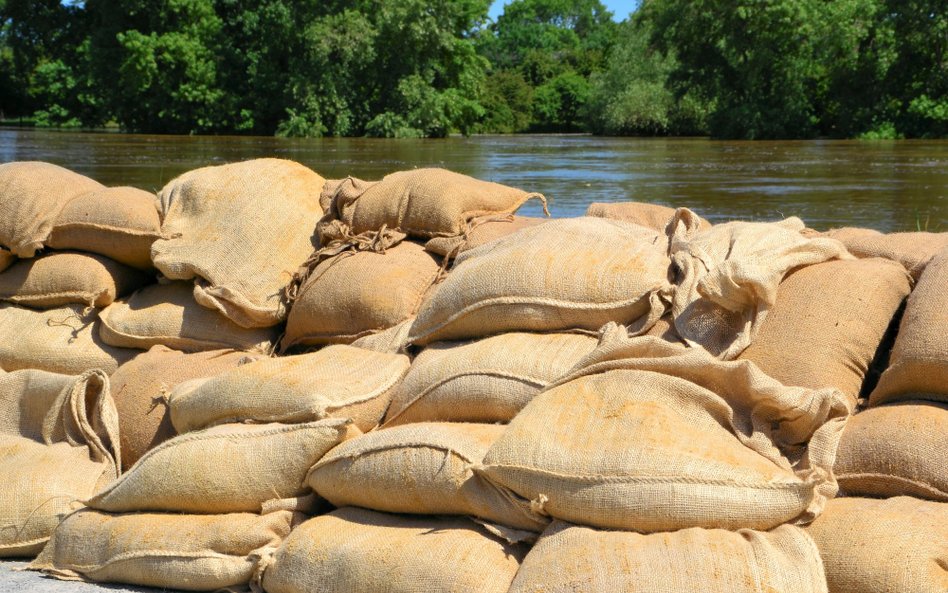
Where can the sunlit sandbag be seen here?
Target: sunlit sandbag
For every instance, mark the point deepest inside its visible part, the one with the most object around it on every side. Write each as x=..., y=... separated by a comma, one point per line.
x=912, y=250
x=484, y=232
x=653, y=216
x=32, y=194
x=58, y=445
x=240, y=231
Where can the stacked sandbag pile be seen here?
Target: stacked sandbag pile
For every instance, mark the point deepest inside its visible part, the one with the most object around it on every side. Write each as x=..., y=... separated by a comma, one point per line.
x=468, y=400
x=372, y=271
x=69, y=246
x=232, y=236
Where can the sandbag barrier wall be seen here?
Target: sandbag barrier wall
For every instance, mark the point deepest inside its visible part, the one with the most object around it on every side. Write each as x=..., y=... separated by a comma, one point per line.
x=403, y=386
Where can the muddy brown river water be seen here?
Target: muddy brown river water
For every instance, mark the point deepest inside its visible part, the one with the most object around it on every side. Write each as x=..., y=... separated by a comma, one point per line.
x=886, y=185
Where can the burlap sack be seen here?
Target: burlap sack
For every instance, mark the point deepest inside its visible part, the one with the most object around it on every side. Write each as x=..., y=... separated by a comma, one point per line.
x=7, y=259
x=352, y=550
x=393, y=340
x=912, y=250
x=58, y=444
x=482, y=233
x=62, y=278
x=827, y=323
x=179, y=552
x=562, y=275
x=570, y=558
x=118, y=222
x=653, y=216
x=489, y=380
x=896, y=545
x=896, y=450
x=232, y=468
x=336, y=382
x=919, y=362
x=421, y=203
x=240, y=231
x=355, y=294
x=166, y=314
x=727, y=276
x=141, y=388
x=63, y=340
x=32, y=194
x=422, y=468
x=649, y=436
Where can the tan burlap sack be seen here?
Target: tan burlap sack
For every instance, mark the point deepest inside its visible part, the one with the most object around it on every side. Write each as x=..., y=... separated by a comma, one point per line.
x=484, y=232
x=32, y=194
x=63, y=340
x=240, y=231
x=62, y=278
x=489, y=380
x=422, y=468
x=919, y=362
x=650, y=436
x=355, y=294
x=232, y=468
x=170, y=551
x=393, y=340
x=653, y=216
x=896, y=545
x=895, y=450
x=352, y=550
x=335, y=382
x=912, y=250
x=827, y=323
x=570, y=558
x=565, y=274
x=118, y=222
x=166, y=314
x=421, y=203
x=58, y=444
x=7, y=259
x=727, y=276
x=141, y=388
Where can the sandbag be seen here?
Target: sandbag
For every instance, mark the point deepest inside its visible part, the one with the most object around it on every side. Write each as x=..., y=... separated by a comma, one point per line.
x=912, y=250
x=240, y=231
x=231, y=468
x=335, y=382
x=919, y=362
x=58, y=444
x=167, y=315
x=355, y=294
x=570, y=274
x=482, y=233
x=422, y=468
x=7, y=259
x=393, y=340
x=32, y=194
x=352, y=550
x=62, y=340
x=896, y=545
x=421, y=202
x=570, y=558
x=649, y=436
x=827, y=323
x=489, y=380
x=63, y=278
x=118, y=222
x=170, y=551
x=141, y=387
x=895, y=450
x=727, y=276
x=653, y=216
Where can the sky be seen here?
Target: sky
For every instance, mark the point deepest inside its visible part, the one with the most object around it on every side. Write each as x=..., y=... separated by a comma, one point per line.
x=619, y=8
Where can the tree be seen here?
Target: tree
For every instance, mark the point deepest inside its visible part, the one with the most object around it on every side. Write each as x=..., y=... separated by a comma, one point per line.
x=631, y=96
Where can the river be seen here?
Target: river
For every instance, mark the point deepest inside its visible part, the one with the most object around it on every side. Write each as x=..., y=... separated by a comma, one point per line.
x=886, y=185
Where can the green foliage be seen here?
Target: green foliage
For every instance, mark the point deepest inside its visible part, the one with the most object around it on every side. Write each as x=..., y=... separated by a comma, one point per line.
x=508, y=103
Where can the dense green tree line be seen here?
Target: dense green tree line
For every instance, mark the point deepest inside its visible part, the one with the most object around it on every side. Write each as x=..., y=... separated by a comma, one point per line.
x=747, y=69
